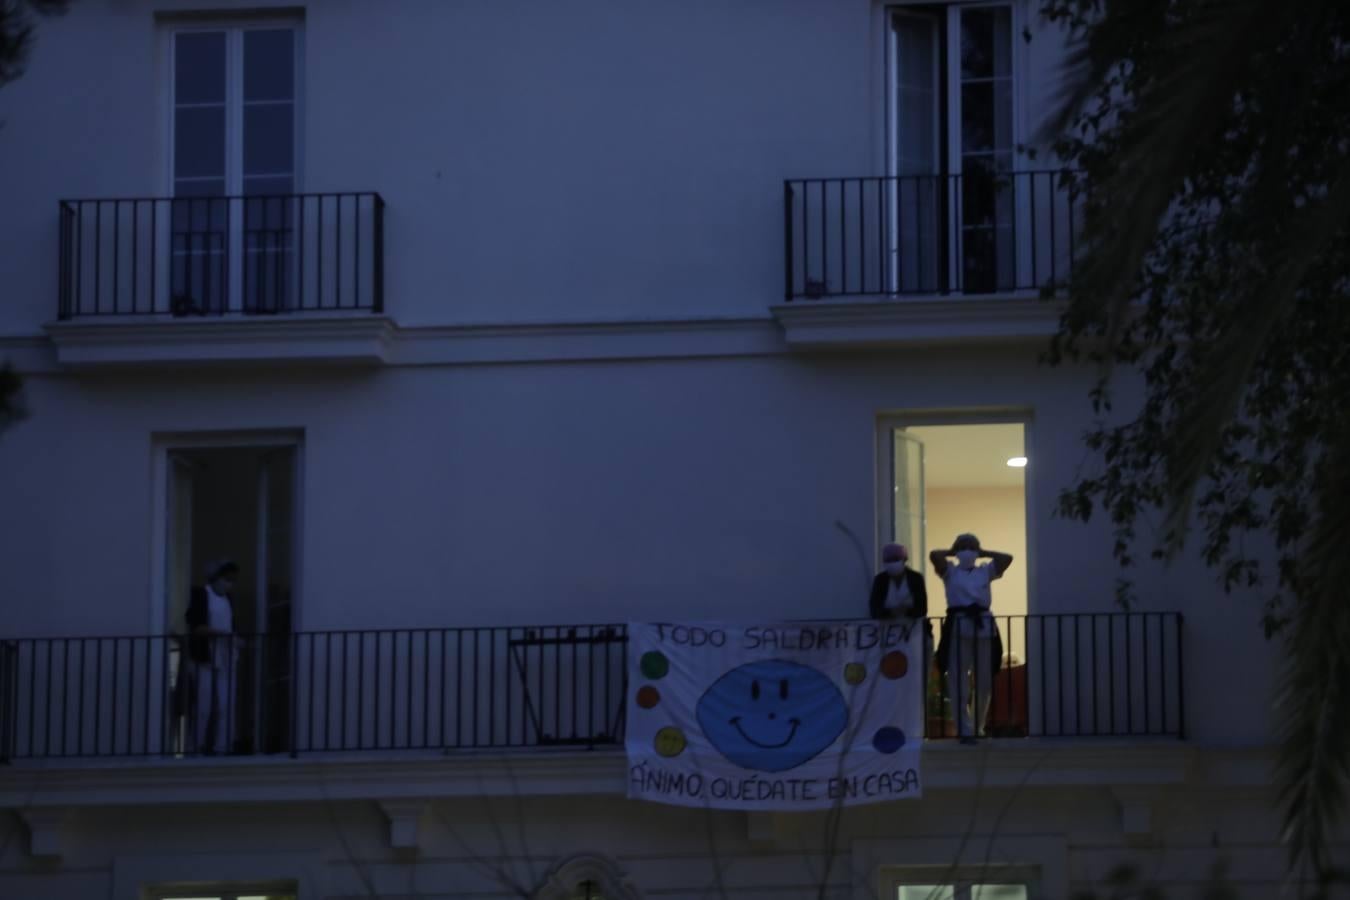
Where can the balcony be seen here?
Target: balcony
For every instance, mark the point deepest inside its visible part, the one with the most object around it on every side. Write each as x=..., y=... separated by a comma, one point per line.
x=1103, y=675
x=895, y=255
x=213, y=278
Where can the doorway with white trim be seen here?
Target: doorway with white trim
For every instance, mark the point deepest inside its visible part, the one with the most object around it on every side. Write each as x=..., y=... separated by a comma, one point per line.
x=237, y=502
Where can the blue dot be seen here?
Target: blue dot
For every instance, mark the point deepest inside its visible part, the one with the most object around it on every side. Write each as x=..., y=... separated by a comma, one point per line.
x=888, y=740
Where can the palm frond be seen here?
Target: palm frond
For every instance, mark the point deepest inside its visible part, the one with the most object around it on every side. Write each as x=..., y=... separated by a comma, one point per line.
x=1174, y=117
x=1227, y=370
x=1314, y=762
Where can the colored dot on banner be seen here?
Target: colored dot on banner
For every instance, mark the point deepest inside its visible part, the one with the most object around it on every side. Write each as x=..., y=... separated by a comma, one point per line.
x=888, y=739
x=654, y=665
x=855, y=673
x=669, y=742
x=894, y=665
x=648, y=696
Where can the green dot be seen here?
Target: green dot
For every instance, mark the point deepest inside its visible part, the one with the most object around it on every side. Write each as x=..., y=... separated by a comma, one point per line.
x=654, y=665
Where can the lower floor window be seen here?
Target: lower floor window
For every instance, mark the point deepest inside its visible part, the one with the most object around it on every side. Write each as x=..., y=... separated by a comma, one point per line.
x=587, y=890
x=961, y=891
x=247, y=892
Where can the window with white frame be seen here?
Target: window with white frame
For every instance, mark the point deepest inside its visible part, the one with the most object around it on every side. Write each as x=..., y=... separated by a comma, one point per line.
x=234, y=92
x=964, y=890
x=952, y=142
x=276, y=892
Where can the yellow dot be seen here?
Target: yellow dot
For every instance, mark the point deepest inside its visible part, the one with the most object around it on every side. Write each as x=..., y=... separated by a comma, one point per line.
x=855, y=673
x=669, y=742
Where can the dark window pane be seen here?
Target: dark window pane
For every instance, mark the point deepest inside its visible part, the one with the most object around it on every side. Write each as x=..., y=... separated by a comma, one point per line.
x=986, y=116
x=255, y=186
x=200, y=215
x=269, y=213
x=199, y=142
x=977, y=117
x=199, y=67
x=987, y=260
x=986, y=42
x=208, y=187
x=269, y=139
x=269, y=65
x=197, y=278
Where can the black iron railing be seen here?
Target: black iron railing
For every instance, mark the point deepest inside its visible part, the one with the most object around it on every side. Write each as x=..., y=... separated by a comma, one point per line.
x=980, y=232
x=1080, y=675
x=212, y=256
x=1112, y=674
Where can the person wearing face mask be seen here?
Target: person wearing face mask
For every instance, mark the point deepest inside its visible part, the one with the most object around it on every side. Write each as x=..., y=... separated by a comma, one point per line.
x=970, y=643
x=897, y=591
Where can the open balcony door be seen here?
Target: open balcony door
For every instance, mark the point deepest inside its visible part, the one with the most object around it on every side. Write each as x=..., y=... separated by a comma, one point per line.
x=902, y=520
x=178, y=585
x=273, y=663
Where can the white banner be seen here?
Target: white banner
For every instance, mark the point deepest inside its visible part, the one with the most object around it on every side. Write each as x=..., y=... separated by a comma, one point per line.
x=774, y=716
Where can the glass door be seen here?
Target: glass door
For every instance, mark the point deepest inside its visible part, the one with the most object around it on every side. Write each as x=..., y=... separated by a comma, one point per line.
x=916, y=180
x=981, y=134
x=234, y=136
x=902, y=518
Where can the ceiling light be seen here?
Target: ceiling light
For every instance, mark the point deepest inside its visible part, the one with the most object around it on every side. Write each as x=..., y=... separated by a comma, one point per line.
x=1018, y=462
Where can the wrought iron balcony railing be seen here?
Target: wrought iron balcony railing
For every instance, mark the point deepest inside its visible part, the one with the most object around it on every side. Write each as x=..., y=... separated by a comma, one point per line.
x=213, y=256
x=976, y=233
x=444, y=689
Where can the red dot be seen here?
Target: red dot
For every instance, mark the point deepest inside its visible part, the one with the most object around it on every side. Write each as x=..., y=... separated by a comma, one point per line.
x=894, y=665
x=648, y=696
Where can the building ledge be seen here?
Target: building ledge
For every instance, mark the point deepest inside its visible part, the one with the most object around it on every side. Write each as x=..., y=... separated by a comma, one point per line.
x=917, y=321
x=1055, y=763
x=360, y=339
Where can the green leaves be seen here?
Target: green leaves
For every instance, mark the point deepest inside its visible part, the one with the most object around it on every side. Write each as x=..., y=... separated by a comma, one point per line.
x=1210, y=140
x=16, y=32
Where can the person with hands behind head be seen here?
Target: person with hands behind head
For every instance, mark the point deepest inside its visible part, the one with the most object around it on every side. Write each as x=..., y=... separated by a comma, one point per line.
x=971, y=647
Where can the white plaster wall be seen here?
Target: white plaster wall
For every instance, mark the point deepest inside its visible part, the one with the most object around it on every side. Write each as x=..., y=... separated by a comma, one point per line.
x=541, y=161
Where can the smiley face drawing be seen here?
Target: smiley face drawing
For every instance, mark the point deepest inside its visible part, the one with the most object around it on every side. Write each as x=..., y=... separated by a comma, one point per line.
x=772, y=715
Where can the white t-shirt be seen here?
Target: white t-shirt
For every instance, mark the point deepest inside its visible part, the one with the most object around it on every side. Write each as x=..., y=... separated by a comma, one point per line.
x=970, y=587
x=220, y=615
x=898, y=597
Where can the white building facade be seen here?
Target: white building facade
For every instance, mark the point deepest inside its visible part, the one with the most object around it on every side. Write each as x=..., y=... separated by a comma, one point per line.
x=474, y=330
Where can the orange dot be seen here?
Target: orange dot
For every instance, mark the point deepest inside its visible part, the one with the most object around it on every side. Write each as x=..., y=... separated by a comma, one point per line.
x=894, y=665
x=648, y=696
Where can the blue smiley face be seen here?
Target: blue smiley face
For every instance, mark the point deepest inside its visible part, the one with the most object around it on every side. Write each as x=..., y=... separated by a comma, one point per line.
x=772, y=715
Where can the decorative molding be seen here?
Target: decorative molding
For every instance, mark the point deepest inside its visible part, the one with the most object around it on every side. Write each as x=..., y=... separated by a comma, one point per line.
x=45, y=831
x=524, y=342
x=410, y=775
x=348, y=339
x=920, y=321
x=405, y=818
x=370, y=340
x=614, y=883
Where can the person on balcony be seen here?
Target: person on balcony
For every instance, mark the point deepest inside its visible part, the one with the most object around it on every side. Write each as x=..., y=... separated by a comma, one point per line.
x=214, y=656
x=970, y=647
x=899, y=592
